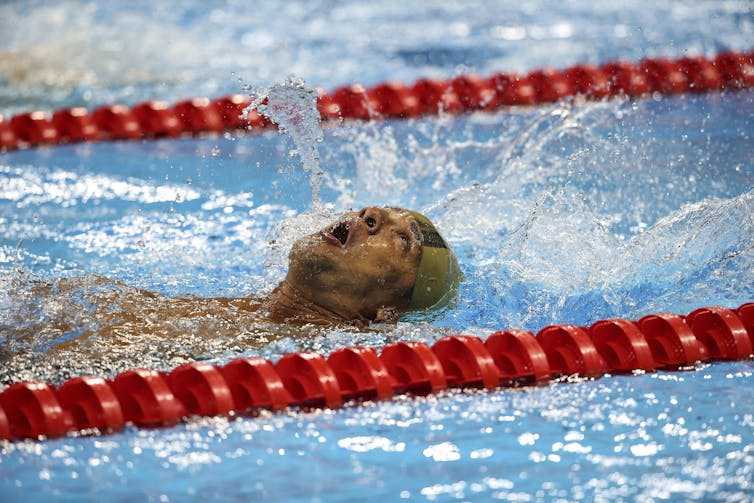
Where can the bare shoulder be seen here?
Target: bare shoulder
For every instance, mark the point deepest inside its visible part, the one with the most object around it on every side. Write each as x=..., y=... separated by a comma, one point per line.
x=69, y=311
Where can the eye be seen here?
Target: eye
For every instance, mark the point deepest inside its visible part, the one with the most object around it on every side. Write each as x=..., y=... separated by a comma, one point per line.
x=373, y=219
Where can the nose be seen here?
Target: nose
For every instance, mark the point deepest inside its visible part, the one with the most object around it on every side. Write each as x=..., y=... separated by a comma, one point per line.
x=372, y=218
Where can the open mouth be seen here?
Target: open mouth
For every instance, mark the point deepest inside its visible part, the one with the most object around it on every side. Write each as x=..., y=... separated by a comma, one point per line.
x=339, y=234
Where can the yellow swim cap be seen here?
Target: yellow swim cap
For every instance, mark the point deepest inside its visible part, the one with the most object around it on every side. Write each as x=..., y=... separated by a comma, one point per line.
x=439, y=275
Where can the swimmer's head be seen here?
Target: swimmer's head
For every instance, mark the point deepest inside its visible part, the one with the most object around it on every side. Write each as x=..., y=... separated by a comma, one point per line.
x=375, y=261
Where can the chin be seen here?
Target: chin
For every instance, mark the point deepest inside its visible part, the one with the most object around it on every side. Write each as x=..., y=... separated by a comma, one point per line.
x=309, y=256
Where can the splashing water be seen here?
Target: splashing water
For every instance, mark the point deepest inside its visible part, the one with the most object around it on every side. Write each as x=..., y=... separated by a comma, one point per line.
x=293, y=107
x=560, y=214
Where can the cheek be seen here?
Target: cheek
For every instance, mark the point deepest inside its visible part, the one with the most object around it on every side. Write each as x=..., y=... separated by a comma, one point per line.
x=398, y=269
x=307, y=261
x=380, y=265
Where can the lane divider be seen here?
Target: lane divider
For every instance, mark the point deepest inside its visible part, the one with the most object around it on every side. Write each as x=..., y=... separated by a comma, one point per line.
x=149, y=398
x=465, y=93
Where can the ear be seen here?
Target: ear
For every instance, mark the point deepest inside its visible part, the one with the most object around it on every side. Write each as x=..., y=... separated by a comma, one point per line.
x=386, y=315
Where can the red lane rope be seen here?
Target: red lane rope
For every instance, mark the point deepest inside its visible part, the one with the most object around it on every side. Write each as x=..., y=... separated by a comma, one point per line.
x=155, y=119
x=148, y=398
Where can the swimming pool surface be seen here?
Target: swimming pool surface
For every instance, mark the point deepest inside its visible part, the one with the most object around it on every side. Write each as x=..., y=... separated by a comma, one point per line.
x=571, y=212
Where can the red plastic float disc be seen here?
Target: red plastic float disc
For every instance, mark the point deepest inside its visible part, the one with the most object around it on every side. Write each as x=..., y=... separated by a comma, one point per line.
x=360, y=373
x=623, y=347
x=671, y=341
x=254, y=384
x=146, y=399
x=309, y=380
x=116, y=122
x=435, y=96
x=156, y=119
x=550, y=85
x=625, y=78
x=34, y=128
x=513, y=90
x=33, y=410
x=413, y=367
x=201, y=388
x=393, y=100
x=428, y=93
x=75, y=125
x=702, y=74
x=466, y=362
x=257, y=120
x=588, y=80
x=235, y=113
x=353, y=102
x=92, y=403
x=328, y=109
x=665, y=76
x=736, y=70
x=721, y=331
x=8, y=139
x=518, y=356
x=199, y=115
x=231, y=110
x=570, y=350
x=746, y=313
x=450, y=102
x=496, y=84
x=4, y=426
x=473, y=92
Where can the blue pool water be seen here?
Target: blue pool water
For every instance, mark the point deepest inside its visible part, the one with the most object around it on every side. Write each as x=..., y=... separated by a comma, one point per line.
x=571, y=212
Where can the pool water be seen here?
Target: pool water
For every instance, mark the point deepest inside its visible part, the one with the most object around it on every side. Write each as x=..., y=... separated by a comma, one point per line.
x=571, y=212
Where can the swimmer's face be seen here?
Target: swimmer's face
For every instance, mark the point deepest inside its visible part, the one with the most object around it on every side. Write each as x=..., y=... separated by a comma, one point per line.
x=365, y=261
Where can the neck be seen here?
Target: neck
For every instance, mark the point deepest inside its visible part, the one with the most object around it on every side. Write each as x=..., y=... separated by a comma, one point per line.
x=288, y=304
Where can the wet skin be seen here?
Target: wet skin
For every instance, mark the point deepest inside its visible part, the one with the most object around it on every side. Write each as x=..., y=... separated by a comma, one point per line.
x=359, y=269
